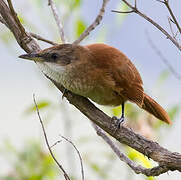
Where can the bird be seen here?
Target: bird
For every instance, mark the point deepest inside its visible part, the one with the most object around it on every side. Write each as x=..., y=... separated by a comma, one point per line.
x=99, y=72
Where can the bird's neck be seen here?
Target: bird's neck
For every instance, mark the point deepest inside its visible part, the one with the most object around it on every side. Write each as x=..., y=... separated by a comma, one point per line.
x=53, y=71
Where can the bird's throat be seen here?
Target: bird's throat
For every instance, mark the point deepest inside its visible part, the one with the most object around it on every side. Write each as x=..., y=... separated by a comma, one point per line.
x=52, y=70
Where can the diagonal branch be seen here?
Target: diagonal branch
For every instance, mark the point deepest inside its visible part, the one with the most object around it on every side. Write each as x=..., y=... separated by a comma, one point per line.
x=40, y=38
x=23, y=39
x=135, y=10
x=156, y=171
x=47, y=143
x=162, y=57
x=94, y=24
x=16, y=18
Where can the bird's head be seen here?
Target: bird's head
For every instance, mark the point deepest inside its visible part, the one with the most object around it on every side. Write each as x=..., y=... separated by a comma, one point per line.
x=61, y=55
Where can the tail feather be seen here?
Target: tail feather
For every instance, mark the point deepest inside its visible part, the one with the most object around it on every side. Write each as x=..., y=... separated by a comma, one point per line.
x=155, y=109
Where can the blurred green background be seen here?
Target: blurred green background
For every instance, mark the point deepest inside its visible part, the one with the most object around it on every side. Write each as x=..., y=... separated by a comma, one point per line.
x=23, y=153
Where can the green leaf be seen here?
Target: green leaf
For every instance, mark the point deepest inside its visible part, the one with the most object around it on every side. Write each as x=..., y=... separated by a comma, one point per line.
x=137, y=156
x=163, y=77
x=150, y=178
x=38, y=3
x=40, y=104
x=130, y=111
x=6, y=36
x=80, y=27
x=95, y=167
x=173, y=111
x=21, y=18
x=121, y=17
x=117, y=111
x=77, y=3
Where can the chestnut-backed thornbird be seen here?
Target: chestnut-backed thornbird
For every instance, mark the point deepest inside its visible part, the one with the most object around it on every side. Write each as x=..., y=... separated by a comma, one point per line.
x=99, y=72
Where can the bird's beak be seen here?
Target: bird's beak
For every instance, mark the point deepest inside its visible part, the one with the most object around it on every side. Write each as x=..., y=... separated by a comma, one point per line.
x=32, y=57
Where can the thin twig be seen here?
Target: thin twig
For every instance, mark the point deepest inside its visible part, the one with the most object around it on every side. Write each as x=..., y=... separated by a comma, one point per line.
x=171, y=29
x=156, y=171
x=135, y=10
x=95, y=23
x=135, y=4
x=160, y=1
x=57, y=142
x=46, y=140
x=80, y=158
x=162, y=57
x=38, y=37
x=122, y=12
x=57, y=20
x=172, y=15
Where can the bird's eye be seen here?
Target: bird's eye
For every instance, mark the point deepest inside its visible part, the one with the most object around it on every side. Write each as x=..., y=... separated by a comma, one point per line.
x=54, y=56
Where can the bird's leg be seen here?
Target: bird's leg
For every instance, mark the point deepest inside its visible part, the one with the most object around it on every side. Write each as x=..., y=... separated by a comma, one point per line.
x=64, y=92
x=119, y=121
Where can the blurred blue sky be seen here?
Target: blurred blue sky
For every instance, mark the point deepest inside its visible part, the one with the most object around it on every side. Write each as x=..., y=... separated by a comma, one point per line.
x=20, y=79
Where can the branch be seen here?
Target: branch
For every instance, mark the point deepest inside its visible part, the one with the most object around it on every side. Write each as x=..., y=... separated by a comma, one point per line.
x=124, y=135
x=162, y=57
x=80, y=158
x=47, y=143
x=57, y=20
x=95, y=23
x=171, y=29
x=23, y=39
x=156, y=171
x=172, y=15
x=16, y=18
x=135, y=10
x=38, y=37
x=3, y=22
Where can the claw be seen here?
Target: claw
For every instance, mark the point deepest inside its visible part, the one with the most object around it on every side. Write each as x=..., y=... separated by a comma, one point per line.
x=119, y=121
x=64, y=92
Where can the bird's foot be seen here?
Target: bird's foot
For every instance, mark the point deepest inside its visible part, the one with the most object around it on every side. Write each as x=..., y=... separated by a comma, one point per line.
x=64, y=92
x=119, y=121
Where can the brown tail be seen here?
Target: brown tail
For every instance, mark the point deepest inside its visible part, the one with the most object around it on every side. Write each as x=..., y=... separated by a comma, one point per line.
x=155, y=109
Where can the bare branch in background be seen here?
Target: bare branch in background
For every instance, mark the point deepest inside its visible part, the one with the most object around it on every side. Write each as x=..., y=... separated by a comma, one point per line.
x=38, y=37
x=95, y=23
x=156, y=171
x=165, y=61
x=80, y=158
x=57, y=19
x=171, y=29
x=54, y=144
x=166, y=2
x=47, y=143
x=135, y=10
